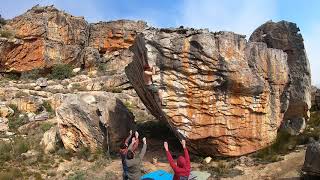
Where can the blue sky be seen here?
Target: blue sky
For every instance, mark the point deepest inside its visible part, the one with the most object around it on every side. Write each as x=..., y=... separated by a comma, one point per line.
x=240, y=16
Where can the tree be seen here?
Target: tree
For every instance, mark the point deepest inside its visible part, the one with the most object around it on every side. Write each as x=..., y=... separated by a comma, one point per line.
x=2, y=21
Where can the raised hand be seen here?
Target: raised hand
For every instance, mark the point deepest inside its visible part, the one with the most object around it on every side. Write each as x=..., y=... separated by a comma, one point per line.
x=130, y=132
x=183, y=143
x=136, y=134
x=166, y=147
x=133, y=140
x=144, y=140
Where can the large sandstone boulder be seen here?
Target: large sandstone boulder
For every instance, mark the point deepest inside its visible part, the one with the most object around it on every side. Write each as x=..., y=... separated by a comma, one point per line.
x=285, y=36
x=47, y=36
x=225, y=95
x=79, y=124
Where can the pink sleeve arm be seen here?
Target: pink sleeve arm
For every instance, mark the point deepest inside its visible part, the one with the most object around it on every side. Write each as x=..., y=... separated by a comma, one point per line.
x=187, y=157
x=171, y=161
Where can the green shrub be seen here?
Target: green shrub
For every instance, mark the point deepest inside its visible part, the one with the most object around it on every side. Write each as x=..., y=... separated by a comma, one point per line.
x=13, y=76
x=112, y=89
x=65, y=154
x=111, y=175
x=16, y=121
x=78, y=175
x=11, y=174
x=6, y=33
x=48, y=107
x=61, y=71
x=83, y=153
x=2, y=21
x=46, y=126
x=32, y=74
x=20, y=145
x=21, y=94
x=102, y=67
x=222, y=170
x=5, y=149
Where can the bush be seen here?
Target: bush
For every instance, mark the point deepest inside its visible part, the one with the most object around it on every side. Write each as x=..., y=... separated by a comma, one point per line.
x=6, y=33
x=13, y=76
x=102, y=67
x=65, y=154
x=285, y=142
x=112, y=89
x=61, y=71
x=5, y=149
x=46, y=126
x=32, y=74
x=19, y=146
x=2, y=21
x=48, y=107
x=10, y=174
x=15, y=120
x=222, y=169
x=78, y=175
x=83, y=153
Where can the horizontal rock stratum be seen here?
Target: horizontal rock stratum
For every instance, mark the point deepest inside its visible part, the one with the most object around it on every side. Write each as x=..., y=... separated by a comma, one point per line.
x=225, y=95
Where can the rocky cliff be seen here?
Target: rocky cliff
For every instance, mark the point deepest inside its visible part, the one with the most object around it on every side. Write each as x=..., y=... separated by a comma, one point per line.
x=227, y=96
x=45, y=36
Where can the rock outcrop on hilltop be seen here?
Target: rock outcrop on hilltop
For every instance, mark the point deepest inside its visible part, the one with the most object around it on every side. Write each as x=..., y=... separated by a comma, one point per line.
x=223, y=94
x=285, y=36
x=45, y=36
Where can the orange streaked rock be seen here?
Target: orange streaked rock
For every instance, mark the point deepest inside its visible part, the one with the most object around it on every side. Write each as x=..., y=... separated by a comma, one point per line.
x=222, y=93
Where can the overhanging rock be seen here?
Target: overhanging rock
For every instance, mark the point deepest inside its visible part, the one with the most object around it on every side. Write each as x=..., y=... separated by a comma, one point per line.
x=225, y=95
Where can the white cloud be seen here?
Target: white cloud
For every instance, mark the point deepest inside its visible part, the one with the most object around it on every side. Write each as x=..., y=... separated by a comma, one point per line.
x=312, y=40
x=242, y=17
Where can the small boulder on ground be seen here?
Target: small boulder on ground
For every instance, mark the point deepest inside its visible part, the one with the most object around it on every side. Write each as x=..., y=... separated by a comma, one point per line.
x=311, y=164
x=50, y=140
x=5, y=111
x=42, y=82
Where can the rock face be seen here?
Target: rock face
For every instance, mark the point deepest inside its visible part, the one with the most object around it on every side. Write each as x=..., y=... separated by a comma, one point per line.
x=45, y=36
x=79, y=124
x=225, y=95
x=285, y=36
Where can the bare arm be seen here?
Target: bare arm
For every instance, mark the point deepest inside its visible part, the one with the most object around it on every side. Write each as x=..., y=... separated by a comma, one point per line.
x=144, y=148
x=132, y=143
x=128, y=138
x=148, y=73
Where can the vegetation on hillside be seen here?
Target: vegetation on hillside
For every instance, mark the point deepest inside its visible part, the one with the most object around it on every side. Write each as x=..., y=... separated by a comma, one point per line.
x=61, y=71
